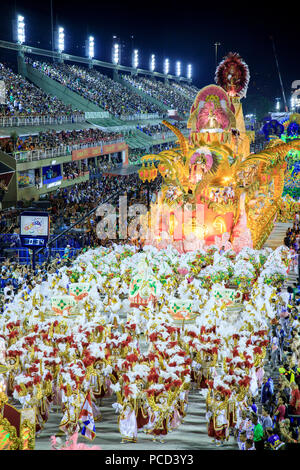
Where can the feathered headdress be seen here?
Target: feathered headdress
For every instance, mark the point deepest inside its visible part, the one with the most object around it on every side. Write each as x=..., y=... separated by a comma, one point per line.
x=233, y=75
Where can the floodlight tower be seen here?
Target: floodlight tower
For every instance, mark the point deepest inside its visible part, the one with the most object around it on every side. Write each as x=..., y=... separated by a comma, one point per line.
x=152, y=63
x=19, y=38
x=189, y=72
x=60, y=42
x=166, y=69
x=135, y=60
x=90, y=50
x=116, y=53
x=19, y=29
x=116, y=57
x=178, y=69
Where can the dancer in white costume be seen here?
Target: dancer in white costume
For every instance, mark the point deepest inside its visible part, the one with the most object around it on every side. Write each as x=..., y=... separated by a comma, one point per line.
x=127, y=423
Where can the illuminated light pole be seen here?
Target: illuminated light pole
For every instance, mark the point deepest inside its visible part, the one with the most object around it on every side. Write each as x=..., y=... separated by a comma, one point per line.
x=178, y=69
x=20, y=29
x=90, y=50
x=166, y=66
x=152, y=63
x=217, y=44
x=60, y=39
x=189, y=71
x=90, y=47
x=19, y=38
x=116, y=53
x=293, y=103
x=135, y=59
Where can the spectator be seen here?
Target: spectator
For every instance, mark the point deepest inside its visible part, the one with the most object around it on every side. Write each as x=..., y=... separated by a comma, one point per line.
x=288, y=435
x=266, y=419
x=280, y=412
x=295, y=401
x=273, y=441
x=249, y=445
x=266, y=392
x=258, y=434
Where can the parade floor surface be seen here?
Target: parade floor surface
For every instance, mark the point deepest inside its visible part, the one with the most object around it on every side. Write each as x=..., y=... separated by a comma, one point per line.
x=191, y=435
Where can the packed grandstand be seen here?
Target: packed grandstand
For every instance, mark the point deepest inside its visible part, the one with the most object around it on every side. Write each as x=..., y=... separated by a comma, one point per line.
x=36, y=126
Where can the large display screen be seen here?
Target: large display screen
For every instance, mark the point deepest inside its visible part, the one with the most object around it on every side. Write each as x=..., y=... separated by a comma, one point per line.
x=34, y=225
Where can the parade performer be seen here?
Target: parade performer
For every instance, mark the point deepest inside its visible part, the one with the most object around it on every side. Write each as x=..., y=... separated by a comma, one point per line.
x=128, y=422
x=216, y=414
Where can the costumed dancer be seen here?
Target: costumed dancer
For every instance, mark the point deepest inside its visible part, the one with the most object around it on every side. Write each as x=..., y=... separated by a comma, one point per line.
x=216, y=416
x=128, y=422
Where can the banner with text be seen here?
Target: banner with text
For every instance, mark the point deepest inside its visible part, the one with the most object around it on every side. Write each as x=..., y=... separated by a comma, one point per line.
x=95, y=151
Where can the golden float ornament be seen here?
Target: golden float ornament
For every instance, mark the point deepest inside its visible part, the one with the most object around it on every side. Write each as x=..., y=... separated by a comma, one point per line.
x=229, y=196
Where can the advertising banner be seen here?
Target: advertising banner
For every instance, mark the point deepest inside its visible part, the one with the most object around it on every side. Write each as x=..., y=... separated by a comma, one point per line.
x=95, y=151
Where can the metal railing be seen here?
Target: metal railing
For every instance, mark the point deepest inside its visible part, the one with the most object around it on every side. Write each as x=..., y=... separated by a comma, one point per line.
x=24, y=255
x=97, y=115
x=137, y=116
x=17, y=121
x=160, y=135
x=62, y=150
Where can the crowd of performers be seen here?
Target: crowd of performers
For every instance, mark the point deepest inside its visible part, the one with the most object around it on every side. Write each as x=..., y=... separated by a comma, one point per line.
x=148, y=361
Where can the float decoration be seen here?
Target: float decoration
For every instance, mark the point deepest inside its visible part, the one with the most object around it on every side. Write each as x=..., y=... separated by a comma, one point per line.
x=214, y=191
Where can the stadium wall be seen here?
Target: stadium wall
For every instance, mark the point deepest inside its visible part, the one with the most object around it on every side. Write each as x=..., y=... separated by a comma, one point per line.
x=10, y=197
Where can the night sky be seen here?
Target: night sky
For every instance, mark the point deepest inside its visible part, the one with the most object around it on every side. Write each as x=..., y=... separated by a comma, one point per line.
x=180, y=31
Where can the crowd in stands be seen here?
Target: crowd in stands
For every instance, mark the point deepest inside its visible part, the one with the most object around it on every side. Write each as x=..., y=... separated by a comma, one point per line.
x=98, y=88
x=25, y=99
x=67, y=206
x=162, y=92
x=134, y=155
x=187, y=90
x=159, y=128
x=53, y=140
x=71, y=170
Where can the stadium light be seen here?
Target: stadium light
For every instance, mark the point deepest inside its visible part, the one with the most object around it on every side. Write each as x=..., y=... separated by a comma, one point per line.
x=152, y=63
x=61, y=39
x=19, y=29
x=293, y=104
x=189, y=71
x=90, y=47
x=178, y=68
x=135, y=59
x=116, y=53
x=277, y=104
x=166, y=66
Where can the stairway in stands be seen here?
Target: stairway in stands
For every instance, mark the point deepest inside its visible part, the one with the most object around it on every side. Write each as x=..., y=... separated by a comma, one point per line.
x=277, y=235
